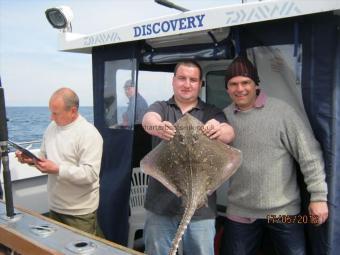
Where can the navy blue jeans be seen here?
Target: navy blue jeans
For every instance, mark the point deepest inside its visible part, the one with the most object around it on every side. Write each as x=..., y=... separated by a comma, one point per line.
x=245, y=239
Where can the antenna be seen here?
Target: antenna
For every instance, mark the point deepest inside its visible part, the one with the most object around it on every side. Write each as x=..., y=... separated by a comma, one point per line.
x=169, y=4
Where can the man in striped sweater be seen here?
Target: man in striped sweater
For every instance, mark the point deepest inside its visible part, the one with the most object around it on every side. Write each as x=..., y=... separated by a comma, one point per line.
x=264, y=193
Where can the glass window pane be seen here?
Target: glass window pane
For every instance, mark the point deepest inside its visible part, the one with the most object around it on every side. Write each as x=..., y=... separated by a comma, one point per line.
x=155, y=86
x=125, y=100
x=216, y=92
x=116, y=101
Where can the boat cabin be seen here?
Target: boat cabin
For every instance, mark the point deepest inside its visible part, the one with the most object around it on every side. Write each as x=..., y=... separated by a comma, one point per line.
x=295, y=46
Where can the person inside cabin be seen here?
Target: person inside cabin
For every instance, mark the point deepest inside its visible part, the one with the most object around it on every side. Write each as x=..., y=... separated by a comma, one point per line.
x=164, y=209
x=110, y=109
x=134, y=99
x=264, y=194
x=71, y=153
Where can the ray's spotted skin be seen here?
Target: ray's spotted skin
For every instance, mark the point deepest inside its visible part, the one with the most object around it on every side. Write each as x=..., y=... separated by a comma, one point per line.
x=192, y=166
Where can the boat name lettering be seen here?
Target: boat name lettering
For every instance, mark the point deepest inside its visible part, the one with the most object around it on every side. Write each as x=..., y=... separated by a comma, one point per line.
x=101, y=38
x=169, y=25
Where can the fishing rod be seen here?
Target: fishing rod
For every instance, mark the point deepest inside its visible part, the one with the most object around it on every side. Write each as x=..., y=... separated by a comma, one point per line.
x=4, y=155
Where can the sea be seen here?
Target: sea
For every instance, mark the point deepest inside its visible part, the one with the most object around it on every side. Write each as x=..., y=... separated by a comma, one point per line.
x=26, y=124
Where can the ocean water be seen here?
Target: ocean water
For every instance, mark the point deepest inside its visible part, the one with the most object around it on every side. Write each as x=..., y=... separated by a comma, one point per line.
x=29, y=123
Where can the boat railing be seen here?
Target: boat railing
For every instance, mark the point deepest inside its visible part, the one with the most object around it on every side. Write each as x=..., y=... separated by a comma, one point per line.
x=35, y=144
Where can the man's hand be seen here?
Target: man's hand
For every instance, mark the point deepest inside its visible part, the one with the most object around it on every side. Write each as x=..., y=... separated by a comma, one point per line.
x=22, y=158
x=47, y=166
x=212, y=129
x=165, y=130
x=44, y=165
x=153, y=124
x=216, y=130
x=319, y=210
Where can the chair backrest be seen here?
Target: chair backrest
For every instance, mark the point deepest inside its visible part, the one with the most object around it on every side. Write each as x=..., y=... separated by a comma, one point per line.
x=139, y=184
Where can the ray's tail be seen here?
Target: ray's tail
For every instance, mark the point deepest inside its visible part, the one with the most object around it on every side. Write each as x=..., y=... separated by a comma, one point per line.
x=188, y=213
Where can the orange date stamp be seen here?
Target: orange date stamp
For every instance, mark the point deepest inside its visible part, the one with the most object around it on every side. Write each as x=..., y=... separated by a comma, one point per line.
x=293, y=219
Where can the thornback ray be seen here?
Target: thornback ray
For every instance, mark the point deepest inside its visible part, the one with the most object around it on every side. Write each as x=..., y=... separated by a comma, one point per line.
x=192, y=166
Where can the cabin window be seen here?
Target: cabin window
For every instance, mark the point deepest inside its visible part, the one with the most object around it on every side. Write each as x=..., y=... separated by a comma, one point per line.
x=125, y=100
x=216, y=93
x=155, y=86
x=119, y=96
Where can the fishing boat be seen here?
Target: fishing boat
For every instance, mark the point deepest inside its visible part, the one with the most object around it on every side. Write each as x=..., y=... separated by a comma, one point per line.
x=295, y=45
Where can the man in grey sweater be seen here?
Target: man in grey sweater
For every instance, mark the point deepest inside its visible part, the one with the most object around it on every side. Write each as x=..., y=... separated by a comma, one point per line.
x=264, y=193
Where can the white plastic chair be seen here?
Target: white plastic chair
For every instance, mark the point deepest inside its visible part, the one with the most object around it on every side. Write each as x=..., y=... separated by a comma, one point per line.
x=139, y=184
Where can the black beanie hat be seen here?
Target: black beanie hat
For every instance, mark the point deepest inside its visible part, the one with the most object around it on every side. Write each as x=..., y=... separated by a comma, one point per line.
x=241, y=66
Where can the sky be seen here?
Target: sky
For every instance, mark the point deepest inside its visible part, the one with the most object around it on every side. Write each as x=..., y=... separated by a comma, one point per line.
x=32, y=68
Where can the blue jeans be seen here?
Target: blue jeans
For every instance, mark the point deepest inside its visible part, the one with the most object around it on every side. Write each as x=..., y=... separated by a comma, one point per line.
x=245, y=239
x=159, y=231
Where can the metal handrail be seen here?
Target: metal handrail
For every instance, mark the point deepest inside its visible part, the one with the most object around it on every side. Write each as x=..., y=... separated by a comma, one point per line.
x=27, y=145
x=29, y=142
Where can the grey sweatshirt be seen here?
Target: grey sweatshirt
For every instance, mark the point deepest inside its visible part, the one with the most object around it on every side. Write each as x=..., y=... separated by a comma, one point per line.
x=270, y=138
